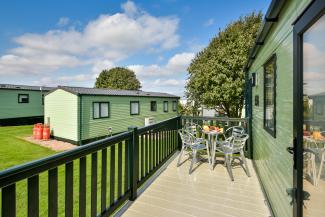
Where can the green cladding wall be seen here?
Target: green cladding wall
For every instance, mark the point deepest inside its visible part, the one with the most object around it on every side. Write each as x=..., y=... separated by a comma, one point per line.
x=120, y=118
x=10, y=108
x=274, y=164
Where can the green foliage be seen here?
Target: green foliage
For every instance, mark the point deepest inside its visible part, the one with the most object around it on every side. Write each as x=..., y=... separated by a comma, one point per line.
x=118, y=78
x=216, y=76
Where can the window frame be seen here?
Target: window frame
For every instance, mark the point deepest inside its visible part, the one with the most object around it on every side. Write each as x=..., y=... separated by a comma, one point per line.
x=174, y=103
x=164, y=106
x=151, y=106
x=131, y=108
x=272, y=60
x=23, y=94
x=100, y=117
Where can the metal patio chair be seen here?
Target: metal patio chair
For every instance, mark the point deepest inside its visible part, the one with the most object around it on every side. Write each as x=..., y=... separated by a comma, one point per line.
x=196, y=130
x=233, y=145
x=190, y=142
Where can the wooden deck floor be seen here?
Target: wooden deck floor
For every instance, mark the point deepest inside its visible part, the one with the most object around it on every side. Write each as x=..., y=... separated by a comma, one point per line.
x=203, y=193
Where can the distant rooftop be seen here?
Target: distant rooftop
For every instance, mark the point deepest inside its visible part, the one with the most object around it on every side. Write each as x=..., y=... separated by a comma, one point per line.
x=24, y=87
x=113, y=92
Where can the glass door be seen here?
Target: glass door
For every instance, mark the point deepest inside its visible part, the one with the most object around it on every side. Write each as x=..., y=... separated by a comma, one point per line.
x=309, y=112
x=313, y=50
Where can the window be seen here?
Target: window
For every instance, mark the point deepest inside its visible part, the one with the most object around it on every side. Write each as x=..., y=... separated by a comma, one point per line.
x=23, y=98
x=174, y=106
x=165, y=106
x=269, y=95
x=134, y=108
x=153, y=106
x=42, y=99
x=100, y=110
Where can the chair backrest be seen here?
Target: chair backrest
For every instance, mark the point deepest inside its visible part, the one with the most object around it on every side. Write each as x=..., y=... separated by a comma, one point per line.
x=193, y=129
x=239, y=140
x=186, y=137
x=235, y=131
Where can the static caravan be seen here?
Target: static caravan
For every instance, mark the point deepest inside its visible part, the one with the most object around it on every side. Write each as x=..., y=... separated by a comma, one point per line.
x=285, y=101
x=21, y=104
x=80, y=115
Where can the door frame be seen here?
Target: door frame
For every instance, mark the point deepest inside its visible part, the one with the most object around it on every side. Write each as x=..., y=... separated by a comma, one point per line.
x=309, y=16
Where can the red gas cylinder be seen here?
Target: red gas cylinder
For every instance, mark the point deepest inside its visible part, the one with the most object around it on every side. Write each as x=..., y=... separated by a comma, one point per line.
x=34, y=131
x=46, y=132
x=39, y=131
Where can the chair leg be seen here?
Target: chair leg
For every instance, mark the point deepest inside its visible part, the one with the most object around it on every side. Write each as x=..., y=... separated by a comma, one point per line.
x=209, y=155
x=320, y=167
x=180, y=157
x=228, y=163
x=245, y=162
x=193, y=161
x=314, y=174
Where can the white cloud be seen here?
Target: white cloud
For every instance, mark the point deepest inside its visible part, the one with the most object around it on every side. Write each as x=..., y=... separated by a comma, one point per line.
x=313, y=57
x=169, y=82
x=209, y=22
x=180, y=62
x=63, y=21
x=109, y=38
x=130, y=8
x=176, y=64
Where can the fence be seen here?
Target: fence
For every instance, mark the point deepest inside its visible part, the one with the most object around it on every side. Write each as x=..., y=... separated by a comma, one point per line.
x=122, y=163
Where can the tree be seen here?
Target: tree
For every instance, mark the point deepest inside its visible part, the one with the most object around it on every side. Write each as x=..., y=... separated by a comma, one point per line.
x=216, y=74
x=118, y=78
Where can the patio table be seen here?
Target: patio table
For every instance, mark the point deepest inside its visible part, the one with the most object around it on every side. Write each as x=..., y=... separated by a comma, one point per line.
x=212, y=138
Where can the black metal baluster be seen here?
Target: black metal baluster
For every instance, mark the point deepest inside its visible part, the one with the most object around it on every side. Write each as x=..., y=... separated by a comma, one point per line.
x=142, y=157
x=9, y=201
x=82, y=186
x=146, y=155
x=93, y=184
x=119, y=171
x=126, y=167
x=156, y=150
x=150, y=152
x=103, y=180
x=69, y=189
x=112, y=176
x=53, y=192
x=33, y=196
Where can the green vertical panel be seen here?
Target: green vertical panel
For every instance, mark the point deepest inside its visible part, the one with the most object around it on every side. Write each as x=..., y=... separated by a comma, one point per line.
x=273, y=163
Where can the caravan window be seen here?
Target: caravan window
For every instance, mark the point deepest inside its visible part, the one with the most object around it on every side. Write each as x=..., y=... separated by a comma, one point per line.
x=23, y=98
x=269, y=95
x=100, y=110
x=153, y=106
x=165, y=106
x=174, y=106
x=134, y=108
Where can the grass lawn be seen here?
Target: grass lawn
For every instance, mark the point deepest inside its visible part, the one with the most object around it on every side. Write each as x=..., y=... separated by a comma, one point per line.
x=15, y=151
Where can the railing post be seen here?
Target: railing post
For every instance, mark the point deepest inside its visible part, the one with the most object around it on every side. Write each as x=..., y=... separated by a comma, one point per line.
x=134, y=162
x=250, y=139
x=179, y=126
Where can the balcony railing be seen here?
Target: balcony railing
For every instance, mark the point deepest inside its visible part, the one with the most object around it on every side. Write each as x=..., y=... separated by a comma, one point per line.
x=122, y=163
x=140, y=152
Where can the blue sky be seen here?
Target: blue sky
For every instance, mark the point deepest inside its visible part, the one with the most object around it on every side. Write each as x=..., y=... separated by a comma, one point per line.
x=60, y=42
